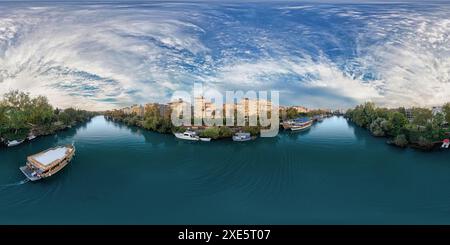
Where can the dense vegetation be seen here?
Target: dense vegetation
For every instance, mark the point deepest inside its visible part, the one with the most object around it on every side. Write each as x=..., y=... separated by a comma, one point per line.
x=422, y=131
x=154, y=121
x=21, y=115
x=292, y=113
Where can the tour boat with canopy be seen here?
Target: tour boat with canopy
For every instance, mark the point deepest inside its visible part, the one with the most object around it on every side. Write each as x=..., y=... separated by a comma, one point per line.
x=47, y=163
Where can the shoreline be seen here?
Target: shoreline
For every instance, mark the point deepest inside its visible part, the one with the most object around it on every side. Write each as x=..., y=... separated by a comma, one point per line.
x=36, y=133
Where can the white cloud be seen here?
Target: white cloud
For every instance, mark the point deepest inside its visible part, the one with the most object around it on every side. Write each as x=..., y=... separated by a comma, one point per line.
x=110, y=55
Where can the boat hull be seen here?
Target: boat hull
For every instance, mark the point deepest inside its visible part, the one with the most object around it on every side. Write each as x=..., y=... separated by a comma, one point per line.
x=14, y=143
x=183, y=137
x=301, y=128
x=242, y=140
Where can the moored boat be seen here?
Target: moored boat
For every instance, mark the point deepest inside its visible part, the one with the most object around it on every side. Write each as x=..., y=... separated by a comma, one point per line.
x=242, y=137
x=301, y=124
x=47, y=163
x=14, y=143
x=31, y=137
x=205, y=139
x=287, y=125
x=187, y=135
x=301, y=127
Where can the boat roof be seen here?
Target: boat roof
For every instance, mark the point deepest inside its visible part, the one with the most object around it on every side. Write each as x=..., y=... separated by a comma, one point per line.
x=243, y=134
x=48, y=157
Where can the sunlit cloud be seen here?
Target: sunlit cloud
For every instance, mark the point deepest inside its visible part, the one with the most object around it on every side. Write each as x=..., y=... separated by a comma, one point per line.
x=103, y=56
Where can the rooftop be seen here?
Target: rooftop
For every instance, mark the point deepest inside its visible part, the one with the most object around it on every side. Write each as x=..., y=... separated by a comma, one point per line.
x=48, y=157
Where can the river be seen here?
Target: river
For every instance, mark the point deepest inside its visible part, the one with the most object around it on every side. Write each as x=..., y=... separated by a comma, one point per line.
x=335, y=173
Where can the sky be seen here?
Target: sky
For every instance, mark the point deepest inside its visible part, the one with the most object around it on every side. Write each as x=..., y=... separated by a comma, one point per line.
x=105, y=55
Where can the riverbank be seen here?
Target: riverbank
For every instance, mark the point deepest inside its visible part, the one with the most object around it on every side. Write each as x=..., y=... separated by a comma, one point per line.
x=152, y=120
x=418, y=128
x=23, y=118
x=164, y=126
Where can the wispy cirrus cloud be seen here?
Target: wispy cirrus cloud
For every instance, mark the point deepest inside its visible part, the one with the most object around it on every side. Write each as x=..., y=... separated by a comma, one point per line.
x=107, y=55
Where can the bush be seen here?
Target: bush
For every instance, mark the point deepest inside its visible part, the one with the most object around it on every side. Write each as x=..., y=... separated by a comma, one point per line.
x=225, y=132
x=212, y=132
x=400, y=140
x=379, y=127
x=253, y=130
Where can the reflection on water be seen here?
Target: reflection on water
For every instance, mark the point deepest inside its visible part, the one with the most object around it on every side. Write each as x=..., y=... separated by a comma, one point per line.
x=332, y=173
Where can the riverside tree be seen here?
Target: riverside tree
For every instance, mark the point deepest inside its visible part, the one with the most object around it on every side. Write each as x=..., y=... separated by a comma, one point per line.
x=20, y=115
x=423, y=131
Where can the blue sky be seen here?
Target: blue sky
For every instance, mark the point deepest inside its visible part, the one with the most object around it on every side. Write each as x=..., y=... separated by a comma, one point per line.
x=97, y=55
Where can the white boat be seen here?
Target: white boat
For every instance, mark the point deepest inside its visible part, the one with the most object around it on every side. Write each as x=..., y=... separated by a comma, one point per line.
x=187, y=135
x=205, y=139
x=301, y=126
x=31, y=137
x=445, y=143
x=47, y=163
x=287, y=124
x=14, y=143
x=242, y=137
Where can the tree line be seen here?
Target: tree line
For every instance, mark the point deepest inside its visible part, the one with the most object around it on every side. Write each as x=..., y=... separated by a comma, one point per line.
x=153, y=120
x=422, y=131
x=22, y=115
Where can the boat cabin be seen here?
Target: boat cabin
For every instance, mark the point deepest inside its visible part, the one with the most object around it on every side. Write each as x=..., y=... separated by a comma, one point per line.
x=48, y=162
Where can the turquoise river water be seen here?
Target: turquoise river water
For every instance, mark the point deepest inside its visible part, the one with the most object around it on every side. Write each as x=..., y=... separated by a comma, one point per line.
x=335, y=173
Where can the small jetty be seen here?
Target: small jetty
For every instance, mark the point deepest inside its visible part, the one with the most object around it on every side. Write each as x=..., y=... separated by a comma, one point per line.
x=47, y=163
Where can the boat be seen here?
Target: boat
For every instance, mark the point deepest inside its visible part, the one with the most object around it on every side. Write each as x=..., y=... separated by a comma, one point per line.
x=14, y=143
x=31, y=137
x=242, y=137
x=48, y=162
x=301, y=124
x=205, y=139
x=187, y=135
x=445, y=143
x=288, y=124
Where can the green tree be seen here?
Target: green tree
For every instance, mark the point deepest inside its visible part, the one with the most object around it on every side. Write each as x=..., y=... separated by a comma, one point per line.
x=291, y=113
x=225, y=132
x=41, y=112
x=438, y=120
x=400, y=140
x=380, y=126
x=211, y=132
x=64, y=118
x=397, y=123
x=421, y=116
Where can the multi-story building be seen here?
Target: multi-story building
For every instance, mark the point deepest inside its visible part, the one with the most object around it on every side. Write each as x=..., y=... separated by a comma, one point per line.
x=126, y=110
x=436, y=109
x=300, y=109
x=178, y=106
x=409, y=114
x=137, y=110
x=163, y=110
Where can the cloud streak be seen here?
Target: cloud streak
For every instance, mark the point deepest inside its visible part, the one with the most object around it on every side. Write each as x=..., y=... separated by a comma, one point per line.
x=103, y=56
